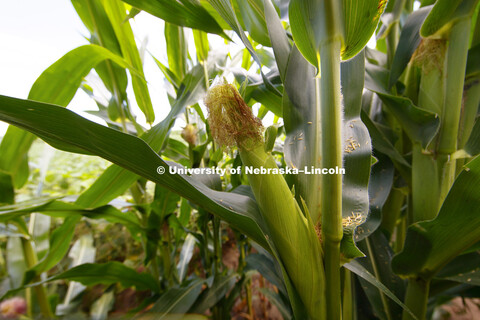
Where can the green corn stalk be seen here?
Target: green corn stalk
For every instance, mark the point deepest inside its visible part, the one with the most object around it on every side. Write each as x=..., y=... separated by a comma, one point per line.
x=292, y=232
x=445, y=69
x=455, y=69
x=425, y=177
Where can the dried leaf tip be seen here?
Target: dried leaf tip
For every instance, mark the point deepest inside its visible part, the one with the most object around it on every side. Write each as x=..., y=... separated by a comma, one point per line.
x=230, y=119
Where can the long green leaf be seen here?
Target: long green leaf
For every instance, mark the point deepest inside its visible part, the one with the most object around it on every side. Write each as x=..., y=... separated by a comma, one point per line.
x=357, y=157
x=420, y=125
x=116, y=12
x=188, y=13
x=56, y=208
x=359, y=270
x=431, y=244
x=174, y=302
x=302, y=144
x=382, y=144
x=57, y=84
x=54, y=124
x=300, y=12
x=379, y=186
x=360, y=20
x=7, y=193
x=280, y=43
x=254, y=20
x=444, y=14
x=90, y=274
x=309, y=20
x=407, y=44
x=377, y=262
x=177, y=50
x=221, y=285
x=463, y=269
x=95, y=18
x=108, y=273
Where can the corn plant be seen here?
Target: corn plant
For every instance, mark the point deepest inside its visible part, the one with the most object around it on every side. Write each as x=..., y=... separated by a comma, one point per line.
x=398, y=226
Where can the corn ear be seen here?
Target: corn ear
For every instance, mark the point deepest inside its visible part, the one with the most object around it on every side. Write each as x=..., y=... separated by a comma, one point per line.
x=292, y=233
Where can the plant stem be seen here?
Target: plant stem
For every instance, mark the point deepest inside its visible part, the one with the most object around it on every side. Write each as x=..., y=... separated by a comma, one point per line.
x=41, y=293
x=424, y=185
x=331, y=122
x=391, y=211
x=401, y=234
x=416, y=298
x=471, y=98
x=248, y=290
x=454, y=74
x=348, y=303
x=217, y=249
x=166, y=254
x=425, y=177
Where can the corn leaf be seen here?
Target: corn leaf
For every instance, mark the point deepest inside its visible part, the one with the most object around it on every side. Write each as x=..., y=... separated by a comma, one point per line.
x=187, y=13
x=57, y=84
x=95, y=18
x=420, y=125
x=7, y=193
x=90, y=274
x=472, y=147
x=357, y=157
x=254, y=20
x=116, y=13
x=464, y=269
x=308, y=20
x=219, y=288
x=362, y=272
x=57, y=208
x=61, y=127
x=407, y=44
x=380, y=184
x=280, y=43
x=202, y=47
x=360, y=21
x=432, y=244
x=300, y=12
x=177, y=50
x=302, y=144
x=444, y=14
x=174, y=302
x=381, y=143
x=59, y=245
